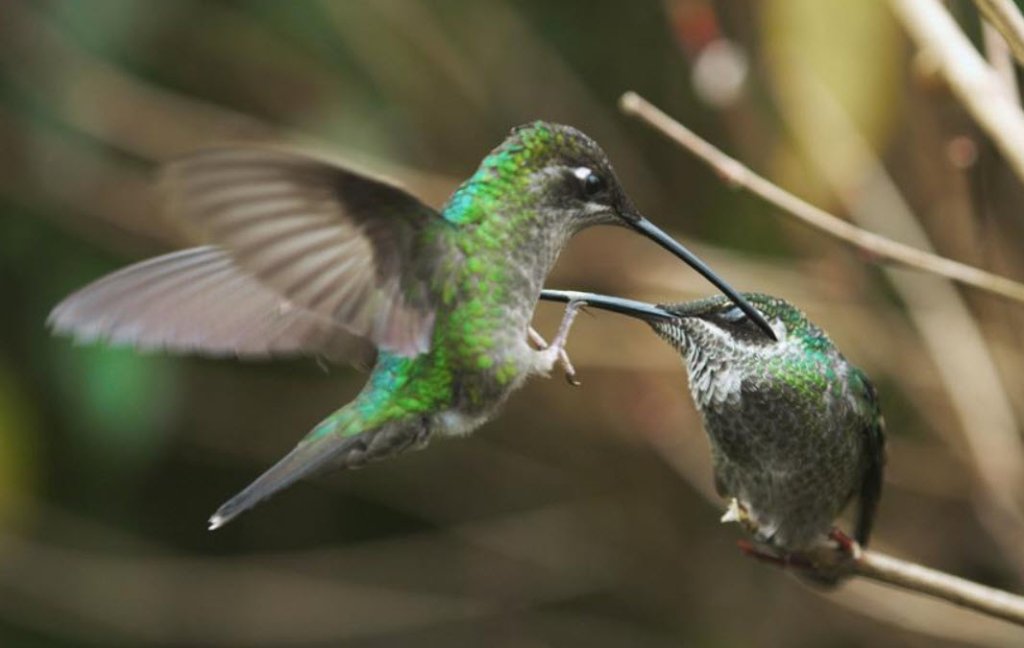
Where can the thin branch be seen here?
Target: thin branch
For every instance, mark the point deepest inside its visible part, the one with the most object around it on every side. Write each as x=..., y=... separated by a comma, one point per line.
x=879, y=247
x=959, y=591
x=1000, y=58
x=1004, y=16
x=883, y=568
x=970, y=78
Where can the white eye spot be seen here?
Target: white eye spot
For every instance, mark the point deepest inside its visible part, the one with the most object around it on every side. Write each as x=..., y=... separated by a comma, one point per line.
x=591, y=183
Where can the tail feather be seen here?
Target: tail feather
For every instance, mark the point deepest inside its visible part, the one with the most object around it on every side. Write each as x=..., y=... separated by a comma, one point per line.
x=325, y=448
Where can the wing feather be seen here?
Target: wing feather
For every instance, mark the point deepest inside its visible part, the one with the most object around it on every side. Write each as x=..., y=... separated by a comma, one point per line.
x=332, y=241
x=870, y=493
x=199, y=301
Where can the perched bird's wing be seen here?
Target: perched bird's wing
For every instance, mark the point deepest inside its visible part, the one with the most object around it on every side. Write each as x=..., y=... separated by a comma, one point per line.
x=332, y=241
x=199, y=301
x=874, y=453
x=326, y=447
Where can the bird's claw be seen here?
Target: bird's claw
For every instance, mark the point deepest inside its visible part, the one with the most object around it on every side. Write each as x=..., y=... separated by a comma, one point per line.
x=561, y=357
x=556, y=350
x=536, y=338
x=844, y=543
x=784, y=560
x=570, y=371
x=738, y=513
x=825, y=563
x=735, y=512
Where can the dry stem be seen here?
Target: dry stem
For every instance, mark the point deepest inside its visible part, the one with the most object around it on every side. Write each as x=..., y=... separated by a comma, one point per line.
x=879, y=247
x=877, y=566
x=970, y=78
x=1004, y=16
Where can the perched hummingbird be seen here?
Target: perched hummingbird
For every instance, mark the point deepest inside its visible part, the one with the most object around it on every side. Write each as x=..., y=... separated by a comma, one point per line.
x=304, y=255
x=795, y=430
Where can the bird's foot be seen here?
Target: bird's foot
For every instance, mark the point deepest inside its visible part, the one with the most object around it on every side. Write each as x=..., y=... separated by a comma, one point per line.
x=845, y=544
x=555, y=352
x=737, y=512
x=562, y=357
x=825, y=563
x=762, y=549
x=784, y=560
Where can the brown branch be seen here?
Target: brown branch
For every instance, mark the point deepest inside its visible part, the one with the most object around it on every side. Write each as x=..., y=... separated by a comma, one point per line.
x=959, y=591
x=883, y=568
x=999, y=56
x=1004, y=16
x=879, y=247
x=970, y=78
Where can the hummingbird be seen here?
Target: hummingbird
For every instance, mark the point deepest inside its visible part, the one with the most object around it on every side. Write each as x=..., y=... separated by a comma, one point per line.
x=300, y=254
x=795, y=430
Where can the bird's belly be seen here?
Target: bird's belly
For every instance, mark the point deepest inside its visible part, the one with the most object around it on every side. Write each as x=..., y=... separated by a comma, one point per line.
x=793, y=482
x=480, y=392
x=454, y=422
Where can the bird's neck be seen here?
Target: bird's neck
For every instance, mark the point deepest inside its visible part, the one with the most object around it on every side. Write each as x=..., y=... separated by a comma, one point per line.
x=717, y=364
x=510, y=249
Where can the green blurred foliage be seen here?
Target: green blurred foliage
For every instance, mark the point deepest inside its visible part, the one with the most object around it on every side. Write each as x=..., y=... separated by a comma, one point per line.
x=19, y=435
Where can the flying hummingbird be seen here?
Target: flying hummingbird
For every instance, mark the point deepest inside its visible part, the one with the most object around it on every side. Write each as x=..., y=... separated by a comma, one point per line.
x=796, y=431
x=304, y=255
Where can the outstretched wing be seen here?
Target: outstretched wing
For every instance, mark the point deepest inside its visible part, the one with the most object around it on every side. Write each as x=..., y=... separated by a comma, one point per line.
x=199, y=301
x=337, y=243
x=874, y=455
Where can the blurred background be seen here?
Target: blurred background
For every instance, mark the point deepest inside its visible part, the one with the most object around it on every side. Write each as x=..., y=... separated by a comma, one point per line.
x=582, y=516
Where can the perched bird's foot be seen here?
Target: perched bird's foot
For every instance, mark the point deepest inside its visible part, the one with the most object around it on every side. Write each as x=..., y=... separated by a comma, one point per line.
x=735, y=512
x=783, y=560
x=748, y=548
x=825, y=564
x=555, y=352
x=738, y=513
x=845, y=543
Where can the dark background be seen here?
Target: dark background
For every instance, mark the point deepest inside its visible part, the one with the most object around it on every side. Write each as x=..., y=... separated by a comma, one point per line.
x=581, y=516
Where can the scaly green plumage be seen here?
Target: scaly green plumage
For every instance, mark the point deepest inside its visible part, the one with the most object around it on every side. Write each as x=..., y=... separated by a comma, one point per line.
x=488, y=214
x=796, y=431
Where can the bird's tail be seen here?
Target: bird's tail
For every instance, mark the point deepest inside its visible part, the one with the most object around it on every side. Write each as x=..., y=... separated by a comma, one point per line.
x=340, y=441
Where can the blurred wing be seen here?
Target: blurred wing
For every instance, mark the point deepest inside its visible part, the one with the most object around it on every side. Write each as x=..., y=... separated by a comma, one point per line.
x=332, y=241
x=199, y=301
x=874, y=450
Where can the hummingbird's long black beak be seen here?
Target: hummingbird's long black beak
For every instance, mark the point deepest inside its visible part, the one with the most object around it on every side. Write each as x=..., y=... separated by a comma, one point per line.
x=638, y=309
x=651, y=231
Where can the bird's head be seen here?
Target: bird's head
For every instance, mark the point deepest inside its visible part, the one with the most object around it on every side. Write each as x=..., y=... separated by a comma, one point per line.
x=555, y=177
x=717, y=327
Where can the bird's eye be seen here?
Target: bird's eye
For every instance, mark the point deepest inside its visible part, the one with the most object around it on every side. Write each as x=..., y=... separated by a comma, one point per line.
x=591, y=183
x=734, y=315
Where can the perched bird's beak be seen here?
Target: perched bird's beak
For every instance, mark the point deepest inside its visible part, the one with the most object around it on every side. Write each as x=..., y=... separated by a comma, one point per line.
x=651, y=231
